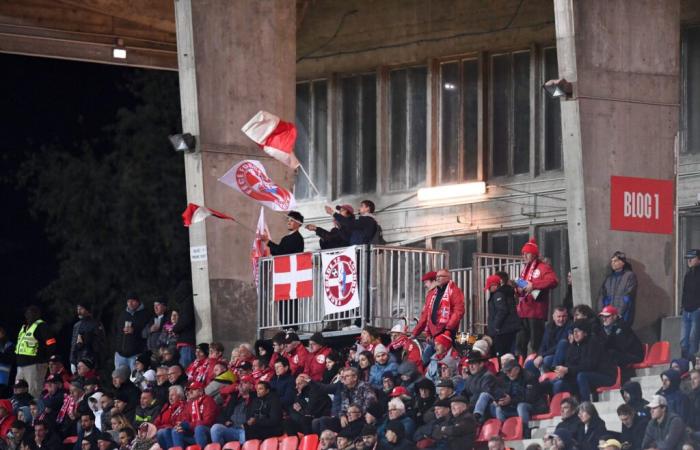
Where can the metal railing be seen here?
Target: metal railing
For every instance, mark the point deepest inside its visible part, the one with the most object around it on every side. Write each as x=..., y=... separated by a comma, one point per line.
x=389, y=289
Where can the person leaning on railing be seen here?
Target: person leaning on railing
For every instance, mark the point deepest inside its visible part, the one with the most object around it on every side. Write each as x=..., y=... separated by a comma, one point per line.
x=442, y=312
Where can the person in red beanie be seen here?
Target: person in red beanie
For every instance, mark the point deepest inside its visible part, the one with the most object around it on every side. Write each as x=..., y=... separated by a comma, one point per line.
x=533, y=289
x=442, y=312
x=444, y=354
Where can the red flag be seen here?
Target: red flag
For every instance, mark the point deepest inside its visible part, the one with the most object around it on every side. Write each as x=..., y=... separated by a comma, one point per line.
x=195, y=213
x=259, y=249
x=275, y=136
x=292, y=276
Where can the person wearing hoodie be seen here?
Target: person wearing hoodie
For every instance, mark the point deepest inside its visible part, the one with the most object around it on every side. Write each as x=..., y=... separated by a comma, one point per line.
x=619, y=288
x=223, y=377
x=128, y=340
x=632, y=395
x=382, y=364
x=409, y=375
x=424, y=400
x=182, y=321
x=633, y=427
x=592, y=427
x=283, y=384
x=676, y=400
x=666, y=430
x=682, y=365
x=394, y=438
x=503, y=320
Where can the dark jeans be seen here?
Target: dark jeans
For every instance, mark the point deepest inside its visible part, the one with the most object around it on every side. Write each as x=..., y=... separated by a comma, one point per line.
x=503, y=343
x=531, y=332
x=586, y=382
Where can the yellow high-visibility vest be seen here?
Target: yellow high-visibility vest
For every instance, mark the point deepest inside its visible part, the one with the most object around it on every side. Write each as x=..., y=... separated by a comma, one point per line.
x=27, y=345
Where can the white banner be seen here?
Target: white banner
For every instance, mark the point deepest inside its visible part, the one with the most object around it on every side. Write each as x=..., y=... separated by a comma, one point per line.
x=340, y=281
x=249, y=178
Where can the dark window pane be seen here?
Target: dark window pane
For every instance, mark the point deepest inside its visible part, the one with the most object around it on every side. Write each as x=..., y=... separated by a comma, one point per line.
x=320, y=120
x=398, y=156
x=552, y=115
x=521, y=112
x=368, y=154
x=418, y=111
x=449, y=122
x=692, y=83
x=519, y=239
x=468, y=250
x=350, y=127
x=470, y=86
x=302, y=148
x=499, y=245
x=500, y=126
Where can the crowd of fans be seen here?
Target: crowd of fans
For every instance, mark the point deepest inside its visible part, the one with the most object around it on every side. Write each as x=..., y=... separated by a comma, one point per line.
x=413, y=388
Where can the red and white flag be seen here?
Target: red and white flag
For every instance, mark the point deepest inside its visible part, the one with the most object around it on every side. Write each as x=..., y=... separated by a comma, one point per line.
x=195, y=213
x=292, y=276
x=260, y=249
x=275, y=136
x=249, y=177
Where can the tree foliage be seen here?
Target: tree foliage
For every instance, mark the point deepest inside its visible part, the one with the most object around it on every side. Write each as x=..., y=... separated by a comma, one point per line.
x=111, y=205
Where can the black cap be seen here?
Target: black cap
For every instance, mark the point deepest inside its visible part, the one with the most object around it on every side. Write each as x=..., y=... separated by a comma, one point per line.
x=346, y=433
x=104, y=436
x=447, y=383
x=88, y=362
x=318, y=338
x=443, y=402
x=425, y=383
x=21, y=383
x=459, y=399
x=296, y=215
x=583, y=325
x=692, y=253
x=368, y=430
x=122, y=397
x=132, y=296
x=91, y=381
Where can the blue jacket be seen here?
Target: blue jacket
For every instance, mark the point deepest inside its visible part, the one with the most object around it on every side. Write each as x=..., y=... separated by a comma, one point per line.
x=552, y=335
x=285, y=388
x=376, y=372
x=677, y=401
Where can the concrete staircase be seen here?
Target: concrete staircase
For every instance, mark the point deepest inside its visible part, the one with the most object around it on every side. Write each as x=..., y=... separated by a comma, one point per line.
x=606, y=406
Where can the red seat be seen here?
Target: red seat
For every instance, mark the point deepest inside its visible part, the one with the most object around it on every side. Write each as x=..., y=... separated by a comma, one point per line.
x=309, y=442
x=642, y=365
x=548, y=376
x=269, y=444
x=512, y=429
x=521, y=360
x=617, y=385
x=659, y=354
x=175, y=448
x=70, y=440
x=496, y=363
x=554, y=407
x=213, y=446
x=193, y=447
x=233, y=445
x=289, y=443
x=253, y=444
x=490, y=428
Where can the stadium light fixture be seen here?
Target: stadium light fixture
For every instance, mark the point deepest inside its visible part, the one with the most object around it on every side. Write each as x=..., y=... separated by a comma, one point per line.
x=558, y=88
x=183, y=142
x=119, y=51
x=451, y=191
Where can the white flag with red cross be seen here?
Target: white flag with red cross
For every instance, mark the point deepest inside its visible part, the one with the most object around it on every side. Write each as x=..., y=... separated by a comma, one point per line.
x=292, y=276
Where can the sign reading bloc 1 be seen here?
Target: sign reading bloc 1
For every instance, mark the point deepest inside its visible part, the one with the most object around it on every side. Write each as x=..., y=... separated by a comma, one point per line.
x=641, y=204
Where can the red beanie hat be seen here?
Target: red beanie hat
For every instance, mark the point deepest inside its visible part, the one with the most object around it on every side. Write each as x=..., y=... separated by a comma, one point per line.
x=531, y=247
x=491, y=280
x=444, y=340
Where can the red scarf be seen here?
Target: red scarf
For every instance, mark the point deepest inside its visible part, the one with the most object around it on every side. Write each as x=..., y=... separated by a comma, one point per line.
x=399, y=342
x=69, y=405
x=197, y=370
x=197, y=407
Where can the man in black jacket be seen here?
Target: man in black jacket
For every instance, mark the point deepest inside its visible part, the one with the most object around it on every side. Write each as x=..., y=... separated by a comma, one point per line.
x=554, y=343
x=690, y=301
x=633, y=427
x=585, y=367
x=309, y=403
x=522, y=396
x=622, y=344
x=153, y=329
x=503, y=319
x=88, y=338
x=569, y=416
x=229, y=425
x=264, y=418
x=481, y=387
x=361, y=230
x=336, y=236
x=128, y=341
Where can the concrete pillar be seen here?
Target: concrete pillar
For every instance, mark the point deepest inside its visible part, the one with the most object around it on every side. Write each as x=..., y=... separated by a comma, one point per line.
x=623, y=58
x=235, y=57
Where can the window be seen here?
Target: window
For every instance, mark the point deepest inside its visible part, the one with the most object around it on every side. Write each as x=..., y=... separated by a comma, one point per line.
x=552, y=114
x=460, y=248
x=510, y=114
x=459, y=110
x=312, y=137
x=408, y=119
x=690, y=101
x=553, y=242
x=689, y=237
x=358, y=135
x=507, y=242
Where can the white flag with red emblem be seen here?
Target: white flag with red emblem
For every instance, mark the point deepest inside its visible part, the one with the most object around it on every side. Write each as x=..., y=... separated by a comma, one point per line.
x=292, y=276
x=249, y=177
x=275, y=136
x=195, y=213
x=340, y=281
x=260, y=249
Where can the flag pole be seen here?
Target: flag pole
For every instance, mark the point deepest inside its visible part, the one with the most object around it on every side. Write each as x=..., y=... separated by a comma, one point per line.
x=313, y=186
x=244, y=226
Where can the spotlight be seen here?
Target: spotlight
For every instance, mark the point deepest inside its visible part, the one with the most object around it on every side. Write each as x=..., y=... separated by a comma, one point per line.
x=558, y=88
x=183, y=142
x=450, y=86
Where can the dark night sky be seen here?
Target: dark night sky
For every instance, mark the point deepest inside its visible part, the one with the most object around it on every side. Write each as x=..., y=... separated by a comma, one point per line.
x=44, y=101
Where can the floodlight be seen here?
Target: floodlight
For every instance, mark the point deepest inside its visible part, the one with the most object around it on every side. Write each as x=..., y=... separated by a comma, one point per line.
x=558, y=88
x=119, y=53
x=451, y=191
x=183, y=142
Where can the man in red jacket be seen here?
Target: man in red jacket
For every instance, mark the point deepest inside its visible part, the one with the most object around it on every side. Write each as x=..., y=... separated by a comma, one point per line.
x=443, y=310
x=535, y=282
x=199, y=415
x=295, y=352
x=315, y=363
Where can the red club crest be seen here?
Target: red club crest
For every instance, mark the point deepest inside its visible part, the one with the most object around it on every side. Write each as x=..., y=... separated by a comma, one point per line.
x=340, y=280
x=255, y=183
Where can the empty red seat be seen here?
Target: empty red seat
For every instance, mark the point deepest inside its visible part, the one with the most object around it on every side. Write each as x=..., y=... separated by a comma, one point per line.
x=233, y=445
x=490, y=428
x=193, y=447
x=175, y=448
x=213, y=446
x=512, y=429
x=253, y=444
x=289, y=443
x=554, y=407
x=309, y=442
x=269, y=444
x=617, y=385
x=548, y=376
x=659, y=354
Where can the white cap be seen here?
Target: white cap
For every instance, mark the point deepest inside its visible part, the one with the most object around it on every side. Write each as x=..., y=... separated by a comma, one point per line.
x=481, y=346
x=380, y=349
x=398, y=328
x=657, y=400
